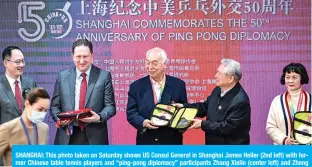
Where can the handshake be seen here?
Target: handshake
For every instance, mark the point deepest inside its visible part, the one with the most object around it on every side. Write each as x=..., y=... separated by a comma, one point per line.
x=175, y=116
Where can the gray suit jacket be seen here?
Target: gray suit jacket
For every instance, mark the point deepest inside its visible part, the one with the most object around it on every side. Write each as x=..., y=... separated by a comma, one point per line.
x=100, y=97
x=8, y=106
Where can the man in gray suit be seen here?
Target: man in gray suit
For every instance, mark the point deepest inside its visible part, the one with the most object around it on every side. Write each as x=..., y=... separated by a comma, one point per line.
x=12, y=84
x=83, y=86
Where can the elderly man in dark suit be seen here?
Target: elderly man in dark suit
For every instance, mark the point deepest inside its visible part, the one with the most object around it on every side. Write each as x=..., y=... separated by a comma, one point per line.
x=12, y=84
x=83, y=86
x=146, y=92
x=227, y=109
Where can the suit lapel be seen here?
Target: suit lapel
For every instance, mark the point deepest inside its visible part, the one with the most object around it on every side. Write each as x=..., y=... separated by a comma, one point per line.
x=24, y=87
x=94, y=74
x=147, y=93
x=8, y=91
x=167, y=92
x=228, y=97
x=72, y=84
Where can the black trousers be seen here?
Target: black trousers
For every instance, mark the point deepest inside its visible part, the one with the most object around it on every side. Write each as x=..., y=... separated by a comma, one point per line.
x=160, y=136
x=79, y=137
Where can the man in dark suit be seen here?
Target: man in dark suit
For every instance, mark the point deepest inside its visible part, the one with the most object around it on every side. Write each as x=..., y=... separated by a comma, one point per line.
x=146, y=92
x=12, y=84
x=227, y=109
x=83, y=86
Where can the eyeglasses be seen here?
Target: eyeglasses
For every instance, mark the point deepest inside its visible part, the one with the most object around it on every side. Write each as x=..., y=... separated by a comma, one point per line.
x=153, y=63
x=18, y=62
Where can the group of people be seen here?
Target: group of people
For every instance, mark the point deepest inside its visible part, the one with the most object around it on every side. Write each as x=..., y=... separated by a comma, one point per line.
x=23, y=105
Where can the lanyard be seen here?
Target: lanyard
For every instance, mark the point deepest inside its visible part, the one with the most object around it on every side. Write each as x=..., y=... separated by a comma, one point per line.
x=161, y=89
x=27, y=134
x=291, y=106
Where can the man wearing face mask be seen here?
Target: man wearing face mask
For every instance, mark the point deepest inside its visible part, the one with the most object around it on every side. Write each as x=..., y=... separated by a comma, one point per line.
x=27, y=129
x=148, y=91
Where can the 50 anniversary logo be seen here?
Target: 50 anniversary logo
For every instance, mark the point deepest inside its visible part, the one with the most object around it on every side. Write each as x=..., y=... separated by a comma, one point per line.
x=57, y=23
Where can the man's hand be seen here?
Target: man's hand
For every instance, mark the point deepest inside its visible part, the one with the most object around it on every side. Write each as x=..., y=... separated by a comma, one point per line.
x=178, y=105
x=149, y=124
x=65, y=122
x=94, y=118
x=196, y=124
x=290, y=141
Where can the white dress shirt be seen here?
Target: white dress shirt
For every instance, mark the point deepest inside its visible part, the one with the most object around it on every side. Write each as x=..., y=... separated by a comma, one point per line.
x=12, y=84
x=158, y=88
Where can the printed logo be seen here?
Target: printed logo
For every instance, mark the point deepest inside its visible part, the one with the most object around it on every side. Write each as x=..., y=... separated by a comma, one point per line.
x=58, y=23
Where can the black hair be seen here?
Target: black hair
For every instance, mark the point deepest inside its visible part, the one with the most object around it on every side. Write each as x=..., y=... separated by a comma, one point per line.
x=7, y=52
x=34, y=94
x=82, y=42
x=296, y=68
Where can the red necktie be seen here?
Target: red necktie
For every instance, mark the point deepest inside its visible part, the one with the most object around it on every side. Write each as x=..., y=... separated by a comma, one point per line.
x=18, y=96
x=83, y=91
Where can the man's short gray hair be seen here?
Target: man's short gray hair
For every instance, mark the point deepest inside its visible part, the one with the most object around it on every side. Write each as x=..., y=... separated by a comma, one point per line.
x=159, y=51
x=232, y=68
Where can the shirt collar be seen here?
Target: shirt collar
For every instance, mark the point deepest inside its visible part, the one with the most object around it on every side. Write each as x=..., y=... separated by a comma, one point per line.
x=159, y=83
x=224, y=92
x=11, y=80
x=79, y=73
x=231, y=93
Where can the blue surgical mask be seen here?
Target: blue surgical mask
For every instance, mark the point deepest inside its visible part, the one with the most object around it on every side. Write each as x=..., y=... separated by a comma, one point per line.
x=36, y=116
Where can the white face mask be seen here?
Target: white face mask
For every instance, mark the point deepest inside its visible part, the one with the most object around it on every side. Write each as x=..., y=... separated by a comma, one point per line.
x=36, y=116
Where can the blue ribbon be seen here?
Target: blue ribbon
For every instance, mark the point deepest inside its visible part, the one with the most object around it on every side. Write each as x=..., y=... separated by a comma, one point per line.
x=27, y=134
x=70, y=129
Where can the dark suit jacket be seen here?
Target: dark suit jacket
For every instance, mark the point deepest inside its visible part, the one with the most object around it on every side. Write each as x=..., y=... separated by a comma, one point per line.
x=141, y=105
x=8, y=106
x=100, y=97
x=228, y=118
